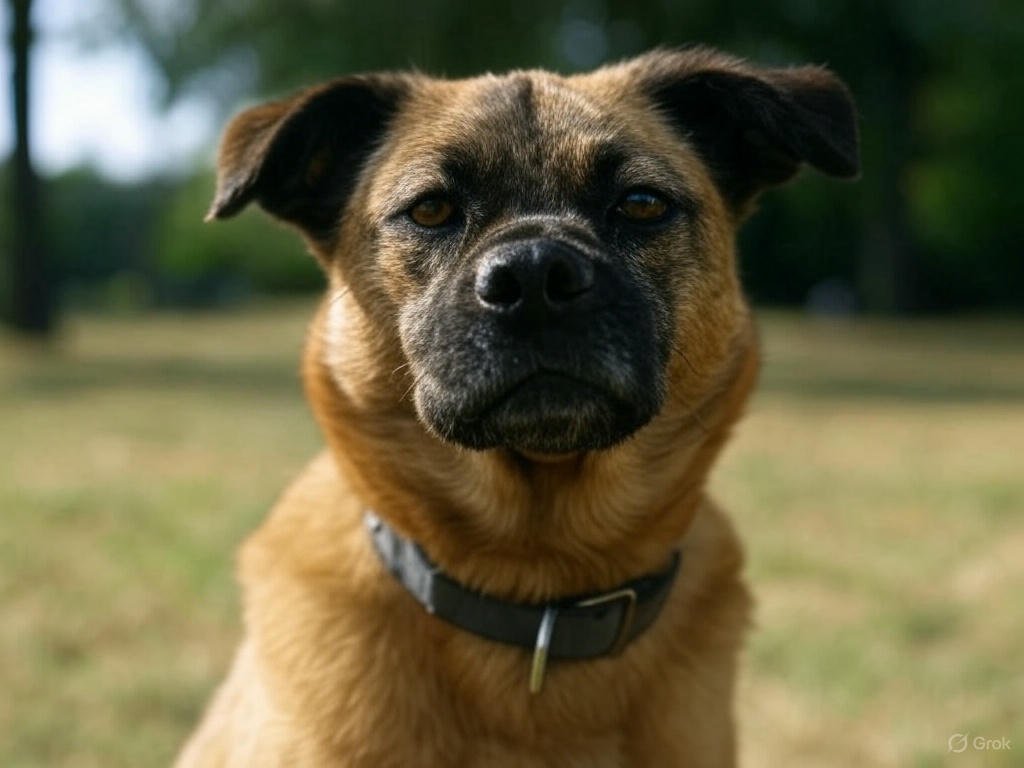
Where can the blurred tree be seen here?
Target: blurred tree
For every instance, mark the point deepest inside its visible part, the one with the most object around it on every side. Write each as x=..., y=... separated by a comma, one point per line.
x=932, y=223
x=100, y=230
x=30, y=291
x=929, y=225
x=209, y=263
x=283, y=45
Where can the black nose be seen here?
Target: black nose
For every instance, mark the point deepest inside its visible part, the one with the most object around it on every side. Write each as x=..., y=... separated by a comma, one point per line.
x=536, y=276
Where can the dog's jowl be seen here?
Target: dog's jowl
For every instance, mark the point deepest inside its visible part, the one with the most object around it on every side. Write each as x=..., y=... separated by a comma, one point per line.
x=532, y=348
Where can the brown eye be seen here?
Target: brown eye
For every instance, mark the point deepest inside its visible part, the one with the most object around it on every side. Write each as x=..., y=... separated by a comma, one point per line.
x=642, y=207
x=432, y=212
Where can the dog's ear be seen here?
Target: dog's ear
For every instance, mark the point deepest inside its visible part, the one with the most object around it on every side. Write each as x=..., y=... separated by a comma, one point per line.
x=300, y=157
x=753, y=127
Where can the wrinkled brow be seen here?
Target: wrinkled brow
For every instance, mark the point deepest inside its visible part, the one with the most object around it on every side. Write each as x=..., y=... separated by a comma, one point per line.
x=592, y=166
x=628, y=167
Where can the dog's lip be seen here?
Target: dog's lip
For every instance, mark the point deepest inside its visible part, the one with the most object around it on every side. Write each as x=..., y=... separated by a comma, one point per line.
x=541, y=375
x=548, y=458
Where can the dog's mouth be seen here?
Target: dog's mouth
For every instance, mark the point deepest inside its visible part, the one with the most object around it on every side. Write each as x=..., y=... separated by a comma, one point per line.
x=542, y=396
x=546, y=412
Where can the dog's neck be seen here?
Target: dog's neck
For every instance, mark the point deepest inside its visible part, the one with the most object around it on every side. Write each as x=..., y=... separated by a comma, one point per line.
x=511, y=525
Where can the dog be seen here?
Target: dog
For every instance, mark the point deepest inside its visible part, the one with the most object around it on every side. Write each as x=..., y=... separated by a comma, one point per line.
x=532, y=348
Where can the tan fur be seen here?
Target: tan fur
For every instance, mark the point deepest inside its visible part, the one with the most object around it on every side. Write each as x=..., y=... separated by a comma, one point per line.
x=341, y=667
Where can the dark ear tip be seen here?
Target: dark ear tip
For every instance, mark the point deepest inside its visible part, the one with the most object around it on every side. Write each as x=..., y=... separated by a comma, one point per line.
x=828, y=108
x=838, y=165
x=226, y=204
x=846, y=165
x=848, y=160
x=217, y=213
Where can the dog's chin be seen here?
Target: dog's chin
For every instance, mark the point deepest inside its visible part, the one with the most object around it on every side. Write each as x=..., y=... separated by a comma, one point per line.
x=546, y=414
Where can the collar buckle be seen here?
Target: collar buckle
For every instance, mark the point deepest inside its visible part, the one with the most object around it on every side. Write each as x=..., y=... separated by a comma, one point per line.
x=540, y=650
x=547, y=627
x=628, y=613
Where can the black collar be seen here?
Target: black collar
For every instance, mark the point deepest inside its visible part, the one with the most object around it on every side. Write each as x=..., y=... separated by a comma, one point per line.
x=581, y=627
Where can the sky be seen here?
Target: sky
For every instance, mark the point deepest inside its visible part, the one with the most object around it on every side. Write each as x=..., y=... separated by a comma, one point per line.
x=99, y=107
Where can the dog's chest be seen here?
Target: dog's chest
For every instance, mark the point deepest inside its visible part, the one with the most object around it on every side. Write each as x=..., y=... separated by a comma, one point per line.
x=396, y=687
x=355, y=670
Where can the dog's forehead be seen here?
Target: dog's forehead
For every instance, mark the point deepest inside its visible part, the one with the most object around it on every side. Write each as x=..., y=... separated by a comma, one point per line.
x=526, y=111
x=535, y=124
x=528, y=141
x=542, y=108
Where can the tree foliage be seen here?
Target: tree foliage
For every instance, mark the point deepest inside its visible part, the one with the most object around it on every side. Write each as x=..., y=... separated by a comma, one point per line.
x=930, y=225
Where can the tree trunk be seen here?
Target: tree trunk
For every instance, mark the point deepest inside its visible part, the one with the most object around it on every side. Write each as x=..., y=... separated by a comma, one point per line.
x=889, y=270
x=31, y=303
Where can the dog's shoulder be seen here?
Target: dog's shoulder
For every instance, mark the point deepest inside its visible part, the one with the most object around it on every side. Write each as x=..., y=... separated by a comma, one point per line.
x=318, y=609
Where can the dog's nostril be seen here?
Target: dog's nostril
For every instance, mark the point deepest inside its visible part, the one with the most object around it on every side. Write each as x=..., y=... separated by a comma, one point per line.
x=533, y=278
x=499, y=286
x=567, y=277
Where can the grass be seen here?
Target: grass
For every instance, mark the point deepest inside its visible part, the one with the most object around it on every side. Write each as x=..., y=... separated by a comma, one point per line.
x=878, y=482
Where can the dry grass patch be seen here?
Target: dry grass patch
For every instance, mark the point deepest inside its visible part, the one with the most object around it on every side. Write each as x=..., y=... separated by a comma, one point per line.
x=877, y=483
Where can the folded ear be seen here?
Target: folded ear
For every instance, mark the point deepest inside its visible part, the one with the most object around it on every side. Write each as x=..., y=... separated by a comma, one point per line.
x=300, y=157
x=753, y=127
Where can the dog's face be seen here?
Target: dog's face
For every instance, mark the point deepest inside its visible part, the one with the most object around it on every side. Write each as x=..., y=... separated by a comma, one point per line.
x=546, y=257
x=541, y=243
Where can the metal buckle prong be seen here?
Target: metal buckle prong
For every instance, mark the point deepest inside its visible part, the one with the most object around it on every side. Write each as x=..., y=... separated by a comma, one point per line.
x=628, y=612
x=547, y=628
x=540, y=650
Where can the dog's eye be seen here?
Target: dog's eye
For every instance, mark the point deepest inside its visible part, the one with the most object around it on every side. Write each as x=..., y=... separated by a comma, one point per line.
x=432, y=211
x=642, y=207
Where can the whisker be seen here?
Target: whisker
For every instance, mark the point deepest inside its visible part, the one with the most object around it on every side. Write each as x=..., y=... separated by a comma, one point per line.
x=403, y=365
x=339, y=296
x=678, y=350
x=416, y=380
x=695, y=415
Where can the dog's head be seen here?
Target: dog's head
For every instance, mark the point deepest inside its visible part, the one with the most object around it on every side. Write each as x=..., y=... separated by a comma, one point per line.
x=540, y=248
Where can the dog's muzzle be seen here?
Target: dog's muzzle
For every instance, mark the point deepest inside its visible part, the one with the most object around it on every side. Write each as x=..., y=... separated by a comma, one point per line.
x=542, y=343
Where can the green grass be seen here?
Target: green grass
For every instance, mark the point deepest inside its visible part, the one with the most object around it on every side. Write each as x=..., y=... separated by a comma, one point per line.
x=878, y=482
